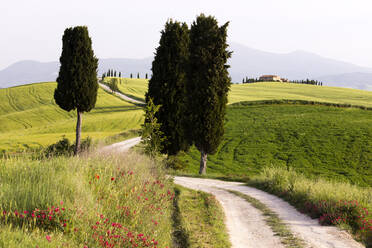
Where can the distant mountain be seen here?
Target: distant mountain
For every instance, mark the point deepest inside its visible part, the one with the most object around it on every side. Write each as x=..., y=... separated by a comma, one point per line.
x=245, y=62
x=29, y=71
x=357, y=80
x=250, y=62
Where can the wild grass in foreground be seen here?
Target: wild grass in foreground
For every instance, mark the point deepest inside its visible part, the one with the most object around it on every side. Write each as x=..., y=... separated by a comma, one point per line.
x=334, y=203
x=275, y=223
x=198, y=220
x=90, y=201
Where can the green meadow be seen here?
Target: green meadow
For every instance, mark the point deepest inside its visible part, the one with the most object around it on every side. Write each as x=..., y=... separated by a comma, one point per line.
x=319, y=141
x=29, y=117
x=270, y=91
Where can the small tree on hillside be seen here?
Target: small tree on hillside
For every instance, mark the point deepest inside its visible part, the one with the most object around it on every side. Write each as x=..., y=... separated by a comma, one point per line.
x=146, y=76
x=131, y=75
x=119, y=74
x=208, y=84
x=138, y=75
x=152, y=136
x=167, y=87
x=77, y=80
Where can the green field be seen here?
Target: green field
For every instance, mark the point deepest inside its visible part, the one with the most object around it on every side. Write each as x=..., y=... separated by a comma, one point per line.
x=330, y=142
x=30, y=118
x=132, y=87
x=272, y=91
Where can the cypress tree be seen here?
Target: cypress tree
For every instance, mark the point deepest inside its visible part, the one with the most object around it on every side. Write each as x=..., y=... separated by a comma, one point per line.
x=146, y=76
x=208, y=84
x=137, y=74
x=77, y=79
x=115, y=74
x=167, y=86
x=119, y=74
x=131, y=75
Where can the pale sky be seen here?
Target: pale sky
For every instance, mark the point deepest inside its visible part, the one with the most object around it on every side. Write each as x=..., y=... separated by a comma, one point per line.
x=339, y=29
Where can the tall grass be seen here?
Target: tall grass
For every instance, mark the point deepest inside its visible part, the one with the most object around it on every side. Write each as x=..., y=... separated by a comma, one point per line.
x=94, y=200
x=334, y=203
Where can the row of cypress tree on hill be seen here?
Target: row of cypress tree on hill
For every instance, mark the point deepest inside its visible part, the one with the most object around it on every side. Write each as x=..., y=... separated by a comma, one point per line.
x=112, y=73
x=190, y=82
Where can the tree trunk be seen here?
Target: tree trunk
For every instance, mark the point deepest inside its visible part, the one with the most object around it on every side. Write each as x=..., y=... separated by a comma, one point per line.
x=78, y=132
x=203, y=162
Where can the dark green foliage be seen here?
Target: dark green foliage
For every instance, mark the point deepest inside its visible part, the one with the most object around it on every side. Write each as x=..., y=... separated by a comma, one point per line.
x=152, y=136
x=208, y=82
x=119, y=74
x=113, y=85
x=174, y=162
x=138, y=75
x=167, y=87
x=320, y=141
x=77, y=80
x=115, y=74
x=61, y=147
x=146, y=76
x=131, y=75
x=64, y=147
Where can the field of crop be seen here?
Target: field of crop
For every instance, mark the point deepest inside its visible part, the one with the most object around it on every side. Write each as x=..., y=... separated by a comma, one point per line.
x=278, y=91
x=319, y=141
x=272, y=91
x=30, y=118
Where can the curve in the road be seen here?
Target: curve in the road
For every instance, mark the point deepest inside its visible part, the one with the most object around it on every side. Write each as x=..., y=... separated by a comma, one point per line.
x=309, y=230
x=122, y=96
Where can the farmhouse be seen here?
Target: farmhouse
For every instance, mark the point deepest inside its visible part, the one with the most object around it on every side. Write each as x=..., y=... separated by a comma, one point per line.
x=270, y=78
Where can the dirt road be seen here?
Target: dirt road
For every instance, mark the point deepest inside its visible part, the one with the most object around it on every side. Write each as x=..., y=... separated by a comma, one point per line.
x=246, y=225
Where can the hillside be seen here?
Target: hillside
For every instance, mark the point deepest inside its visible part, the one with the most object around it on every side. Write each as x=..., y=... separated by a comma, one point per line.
x=271, y=91
x=29, y=117
x=132, y=87
x=330, y=142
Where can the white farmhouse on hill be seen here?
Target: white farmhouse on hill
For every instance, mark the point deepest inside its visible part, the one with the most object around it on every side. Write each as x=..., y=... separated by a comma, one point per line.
x=270, y=78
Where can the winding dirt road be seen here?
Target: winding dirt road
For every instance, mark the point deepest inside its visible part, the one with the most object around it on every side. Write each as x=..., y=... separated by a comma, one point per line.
x=246, y=225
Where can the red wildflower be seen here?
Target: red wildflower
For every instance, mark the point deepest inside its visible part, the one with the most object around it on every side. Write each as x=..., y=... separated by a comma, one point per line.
x=48, y=238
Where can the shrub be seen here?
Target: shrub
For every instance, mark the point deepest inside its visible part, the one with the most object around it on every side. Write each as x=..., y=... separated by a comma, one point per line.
x=61, y=147
x=64, y=147
x=175, y=163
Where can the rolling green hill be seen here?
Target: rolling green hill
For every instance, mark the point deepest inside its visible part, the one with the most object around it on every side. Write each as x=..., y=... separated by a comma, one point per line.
x=132, y=87
x=330, y=142
x=30, y=118
x=270, y=91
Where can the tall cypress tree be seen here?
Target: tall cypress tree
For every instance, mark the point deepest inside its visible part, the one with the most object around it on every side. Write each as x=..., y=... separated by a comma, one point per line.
x=77, y=80
x=138, y=75
x=167, y=86
x=208, y=84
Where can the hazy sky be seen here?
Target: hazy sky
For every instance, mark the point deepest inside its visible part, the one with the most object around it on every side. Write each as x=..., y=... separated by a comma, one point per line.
x=340, y=29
